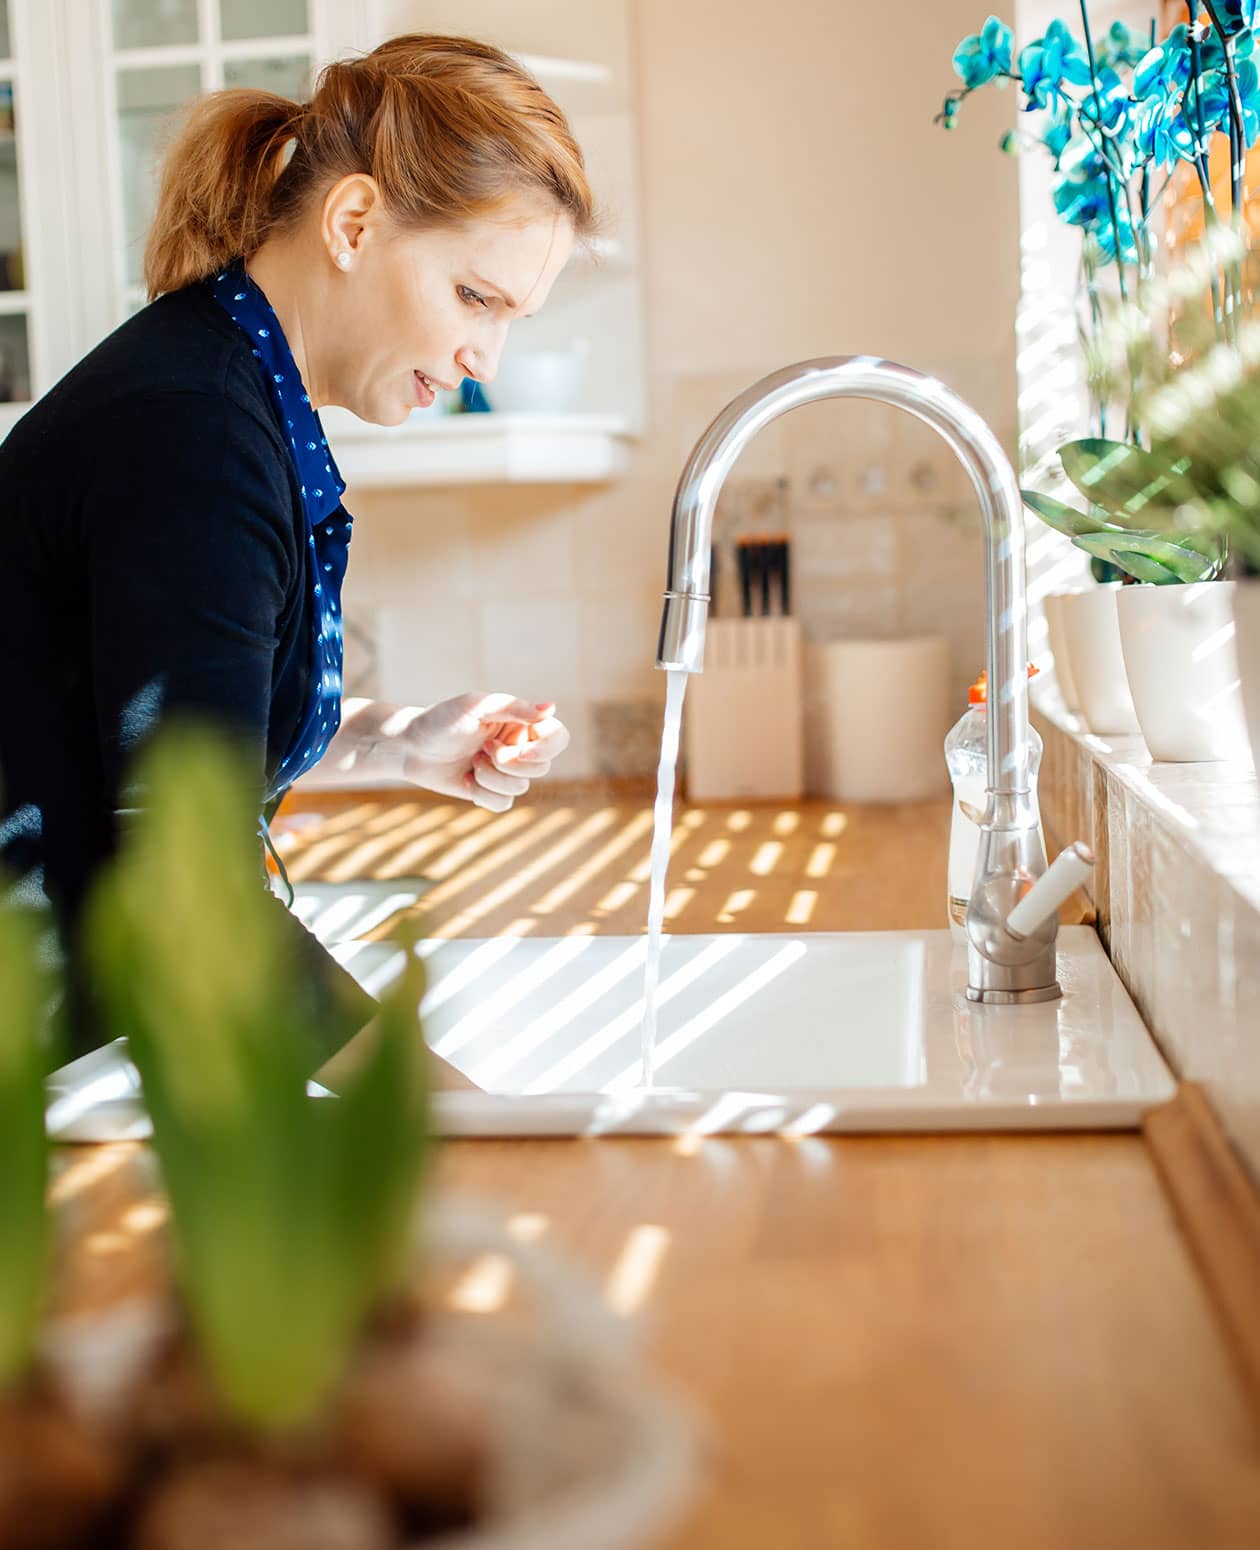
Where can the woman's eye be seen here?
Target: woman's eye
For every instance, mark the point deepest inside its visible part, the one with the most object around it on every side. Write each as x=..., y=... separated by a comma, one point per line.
x=471, y=297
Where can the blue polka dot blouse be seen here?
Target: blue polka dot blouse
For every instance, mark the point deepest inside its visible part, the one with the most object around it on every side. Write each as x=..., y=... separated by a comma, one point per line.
x=328, y=523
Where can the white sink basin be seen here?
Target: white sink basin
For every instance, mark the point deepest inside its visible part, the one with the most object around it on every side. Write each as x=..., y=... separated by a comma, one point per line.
x=863, y=1031
x=860, y=1031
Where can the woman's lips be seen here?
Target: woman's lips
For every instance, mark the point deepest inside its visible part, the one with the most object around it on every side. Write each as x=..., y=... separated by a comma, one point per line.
x=425, y=396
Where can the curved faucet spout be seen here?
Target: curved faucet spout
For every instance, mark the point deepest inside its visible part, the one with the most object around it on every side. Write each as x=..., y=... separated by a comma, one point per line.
x=1002, y=967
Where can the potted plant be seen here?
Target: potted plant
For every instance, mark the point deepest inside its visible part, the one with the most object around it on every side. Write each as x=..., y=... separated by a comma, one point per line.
x=1112, y=115
x=1203, y=407
x=58, y=1477
x=301, y=1384
x=1145, y=517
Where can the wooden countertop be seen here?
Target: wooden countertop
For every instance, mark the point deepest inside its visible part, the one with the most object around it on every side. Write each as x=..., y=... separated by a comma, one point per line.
x=897, y=1341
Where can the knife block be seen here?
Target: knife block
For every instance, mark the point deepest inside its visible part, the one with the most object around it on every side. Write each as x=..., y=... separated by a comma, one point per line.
x=742, y=721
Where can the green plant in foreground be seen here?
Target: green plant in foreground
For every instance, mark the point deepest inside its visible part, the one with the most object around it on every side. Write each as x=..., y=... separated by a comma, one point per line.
x=1145, y=512
x=24, y=1218
x=291, y=1217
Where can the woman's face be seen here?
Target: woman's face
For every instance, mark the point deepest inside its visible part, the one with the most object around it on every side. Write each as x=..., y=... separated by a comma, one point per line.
x=435, y=304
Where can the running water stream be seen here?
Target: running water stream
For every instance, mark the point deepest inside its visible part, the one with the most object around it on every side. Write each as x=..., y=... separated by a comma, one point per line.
x=676, y=689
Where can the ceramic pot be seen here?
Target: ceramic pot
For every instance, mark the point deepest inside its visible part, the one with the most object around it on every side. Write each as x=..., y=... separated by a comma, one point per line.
x=586, y=1451
x=1063, y=674
x=1179, y=650
x=1247, y=646
x=1092, y=635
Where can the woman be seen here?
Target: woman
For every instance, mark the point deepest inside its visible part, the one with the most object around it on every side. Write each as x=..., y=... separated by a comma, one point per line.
x=172, y=536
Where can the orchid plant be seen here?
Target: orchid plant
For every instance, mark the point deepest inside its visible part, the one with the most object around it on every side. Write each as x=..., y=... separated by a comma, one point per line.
x=1113, y=113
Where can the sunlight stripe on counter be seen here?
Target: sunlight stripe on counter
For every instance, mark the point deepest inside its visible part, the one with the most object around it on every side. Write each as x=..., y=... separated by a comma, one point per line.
x=637, y=1269
x=553, y=857
x=766, y=858
x=592, y=867
x=819, y=863
x=484, y=1286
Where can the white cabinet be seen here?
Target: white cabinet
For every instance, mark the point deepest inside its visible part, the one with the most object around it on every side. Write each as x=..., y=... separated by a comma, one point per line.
x=88, y=93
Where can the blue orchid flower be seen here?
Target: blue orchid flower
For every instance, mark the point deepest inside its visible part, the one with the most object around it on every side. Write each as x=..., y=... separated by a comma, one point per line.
x=1057, y=133
x=1106, y=114
x=1108, y=107
x=1051, y=63
x=1161, y=132
x=985, y=54
x=1081, y=198
x=1166, y=67
x=1248, y=79
x=1119, y=47
x=1237, y=15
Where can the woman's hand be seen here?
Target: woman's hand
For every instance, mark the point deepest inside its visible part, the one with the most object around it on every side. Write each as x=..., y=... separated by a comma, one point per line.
x=483, y=747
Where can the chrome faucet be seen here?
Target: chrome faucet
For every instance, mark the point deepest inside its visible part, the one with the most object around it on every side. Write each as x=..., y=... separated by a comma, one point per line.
x=1012, y=919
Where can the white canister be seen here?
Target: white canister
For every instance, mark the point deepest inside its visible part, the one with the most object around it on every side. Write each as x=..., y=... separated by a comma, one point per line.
x=1182, y=664
x=877, y=712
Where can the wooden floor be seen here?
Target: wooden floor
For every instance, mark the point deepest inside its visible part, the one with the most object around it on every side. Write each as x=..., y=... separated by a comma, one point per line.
x=895, y=1343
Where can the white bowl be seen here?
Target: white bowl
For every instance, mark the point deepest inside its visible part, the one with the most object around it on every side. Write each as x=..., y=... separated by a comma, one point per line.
x=544, y=382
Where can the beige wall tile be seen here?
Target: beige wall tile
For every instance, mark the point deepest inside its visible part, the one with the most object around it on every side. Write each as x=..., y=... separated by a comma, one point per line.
x=841, y=547
x=525, y=548
x=618, y=641
x=531, y=648
x=429, y=651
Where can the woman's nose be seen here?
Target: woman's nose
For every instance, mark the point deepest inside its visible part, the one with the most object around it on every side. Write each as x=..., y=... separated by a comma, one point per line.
x=480, y=365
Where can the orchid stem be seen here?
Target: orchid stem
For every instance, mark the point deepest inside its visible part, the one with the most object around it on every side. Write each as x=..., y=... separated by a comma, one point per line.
x=1237, y=159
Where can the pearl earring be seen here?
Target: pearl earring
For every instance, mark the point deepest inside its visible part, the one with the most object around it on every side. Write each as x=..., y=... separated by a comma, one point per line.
x=344, y=260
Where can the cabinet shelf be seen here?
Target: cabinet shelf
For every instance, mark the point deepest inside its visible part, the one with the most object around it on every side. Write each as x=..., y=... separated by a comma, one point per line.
x=479, y=449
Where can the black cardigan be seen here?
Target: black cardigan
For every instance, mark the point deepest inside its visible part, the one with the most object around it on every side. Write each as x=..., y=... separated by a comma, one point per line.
x=152, y=553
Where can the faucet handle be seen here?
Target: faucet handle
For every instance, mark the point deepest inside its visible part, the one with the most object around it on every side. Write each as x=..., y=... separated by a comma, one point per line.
x=1070, y=868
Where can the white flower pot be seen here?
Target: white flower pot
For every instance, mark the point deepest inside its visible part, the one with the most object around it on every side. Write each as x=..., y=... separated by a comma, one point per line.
x=1247, y=645
x=1183, y=670
x=1063, y=674
x=1092, y=635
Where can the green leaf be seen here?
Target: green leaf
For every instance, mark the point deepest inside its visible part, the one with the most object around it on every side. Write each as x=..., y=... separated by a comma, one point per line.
x=291, y=1217
x=1183, y=564
x=1130, y=483
x=1064, y=519
x=24, y=1222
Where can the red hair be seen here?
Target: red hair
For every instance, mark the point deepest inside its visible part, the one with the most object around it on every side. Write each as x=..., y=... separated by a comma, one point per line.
x=450, y=129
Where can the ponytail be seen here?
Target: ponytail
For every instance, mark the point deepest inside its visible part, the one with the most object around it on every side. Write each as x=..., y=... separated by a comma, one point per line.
x=215, y=191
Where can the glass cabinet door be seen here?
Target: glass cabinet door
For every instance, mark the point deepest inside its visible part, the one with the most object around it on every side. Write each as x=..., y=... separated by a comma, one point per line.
x=15, y=361
x=164, y=54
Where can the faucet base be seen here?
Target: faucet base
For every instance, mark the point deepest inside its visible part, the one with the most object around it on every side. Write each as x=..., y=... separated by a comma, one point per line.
x=1014, y=997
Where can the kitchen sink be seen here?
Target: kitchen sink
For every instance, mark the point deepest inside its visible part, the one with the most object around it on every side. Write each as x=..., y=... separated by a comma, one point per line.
x=852, y=1031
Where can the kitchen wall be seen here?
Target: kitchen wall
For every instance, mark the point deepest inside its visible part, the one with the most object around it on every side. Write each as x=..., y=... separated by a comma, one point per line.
x=796, y=200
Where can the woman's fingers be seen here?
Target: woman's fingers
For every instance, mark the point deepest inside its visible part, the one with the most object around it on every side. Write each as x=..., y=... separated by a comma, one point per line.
x=532, y=753
x=486, y=774
x=480, y=797
x=506, y=707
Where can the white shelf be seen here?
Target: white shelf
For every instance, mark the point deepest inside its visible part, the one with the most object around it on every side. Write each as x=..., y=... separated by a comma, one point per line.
x=479, y=449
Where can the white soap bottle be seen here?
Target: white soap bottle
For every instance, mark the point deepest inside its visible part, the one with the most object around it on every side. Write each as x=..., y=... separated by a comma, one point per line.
x=966, y=754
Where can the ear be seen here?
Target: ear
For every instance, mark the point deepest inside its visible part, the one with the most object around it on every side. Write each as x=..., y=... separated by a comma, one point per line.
x=352, y=214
